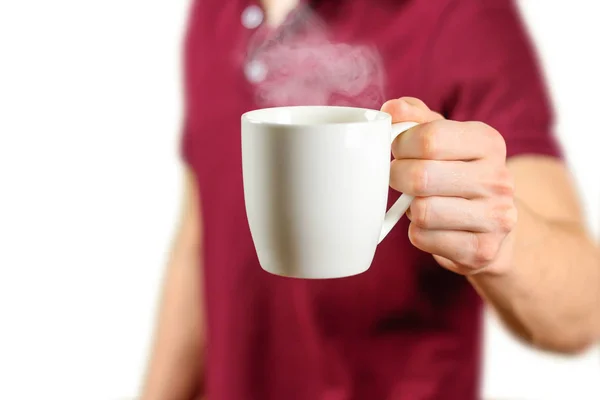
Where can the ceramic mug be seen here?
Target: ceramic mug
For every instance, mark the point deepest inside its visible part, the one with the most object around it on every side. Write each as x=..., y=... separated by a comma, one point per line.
x=316, y=186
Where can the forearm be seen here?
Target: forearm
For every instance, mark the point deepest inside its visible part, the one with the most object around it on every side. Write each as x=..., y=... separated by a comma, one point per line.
x=176, y=361
x=550, y=295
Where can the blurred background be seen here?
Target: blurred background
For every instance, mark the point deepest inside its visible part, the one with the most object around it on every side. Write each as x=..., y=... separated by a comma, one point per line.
x=90, y=108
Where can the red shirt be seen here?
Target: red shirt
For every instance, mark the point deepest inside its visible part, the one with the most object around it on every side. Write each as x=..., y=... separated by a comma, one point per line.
x=406, y=329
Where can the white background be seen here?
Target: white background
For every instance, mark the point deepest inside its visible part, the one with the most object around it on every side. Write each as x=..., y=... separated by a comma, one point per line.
x=90, y=181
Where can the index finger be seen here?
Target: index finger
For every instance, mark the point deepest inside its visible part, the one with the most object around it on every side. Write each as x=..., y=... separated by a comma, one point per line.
x=449, y=141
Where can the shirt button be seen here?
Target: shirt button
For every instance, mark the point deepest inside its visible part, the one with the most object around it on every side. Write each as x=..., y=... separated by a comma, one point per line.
x=255, y=71
x=252, y=17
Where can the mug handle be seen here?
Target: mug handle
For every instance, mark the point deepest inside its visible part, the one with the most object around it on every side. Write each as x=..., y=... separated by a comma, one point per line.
x=401, y=205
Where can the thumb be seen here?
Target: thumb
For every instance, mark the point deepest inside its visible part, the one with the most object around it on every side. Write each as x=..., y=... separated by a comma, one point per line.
x=409, y=109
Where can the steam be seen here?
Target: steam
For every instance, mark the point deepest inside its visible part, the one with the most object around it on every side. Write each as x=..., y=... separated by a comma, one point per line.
x=299, y=64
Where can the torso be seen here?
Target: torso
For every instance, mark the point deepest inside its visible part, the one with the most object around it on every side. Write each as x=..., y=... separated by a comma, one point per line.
x=404, y=330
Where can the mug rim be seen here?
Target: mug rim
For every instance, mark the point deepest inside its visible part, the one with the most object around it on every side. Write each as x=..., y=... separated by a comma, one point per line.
x=378, y=116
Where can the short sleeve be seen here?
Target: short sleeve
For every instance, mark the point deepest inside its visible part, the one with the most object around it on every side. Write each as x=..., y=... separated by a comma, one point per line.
x=487, y=70
x=190, y=59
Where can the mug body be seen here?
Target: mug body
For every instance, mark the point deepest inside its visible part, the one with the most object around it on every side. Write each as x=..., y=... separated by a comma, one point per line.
x=315, y=187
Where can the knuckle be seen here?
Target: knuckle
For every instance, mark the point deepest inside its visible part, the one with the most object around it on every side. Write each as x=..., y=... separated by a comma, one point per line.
x=415, y=234
x=483, y=128
x=501, y=148
x=419, y=212
x=496, y=142
x=437, y=115
x=418, y=179
x=485, y=251
x=429, y=140
x=506, y=218
x=400, y=108
x=395, y=175
x=503, y=183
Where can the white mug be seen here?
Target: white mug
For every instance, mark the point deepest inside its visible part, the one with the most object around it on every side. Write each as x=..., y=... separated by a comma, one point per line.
x=315, y=187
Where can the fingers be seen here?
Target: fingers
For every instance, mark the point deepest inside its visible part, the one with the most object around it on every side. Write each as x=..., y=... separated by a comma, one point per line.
x=464, y=195
x=470, y=180
x=449, y=140
x=458, y=214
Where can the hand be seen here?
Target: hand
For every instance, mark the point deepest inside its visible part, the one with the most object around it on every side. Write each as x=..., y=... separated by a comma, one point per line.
x=463, y=212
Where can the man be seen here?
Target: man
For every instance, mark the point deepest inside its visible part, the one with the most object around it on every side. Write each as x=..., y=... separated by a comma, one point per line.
x=495, y=215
